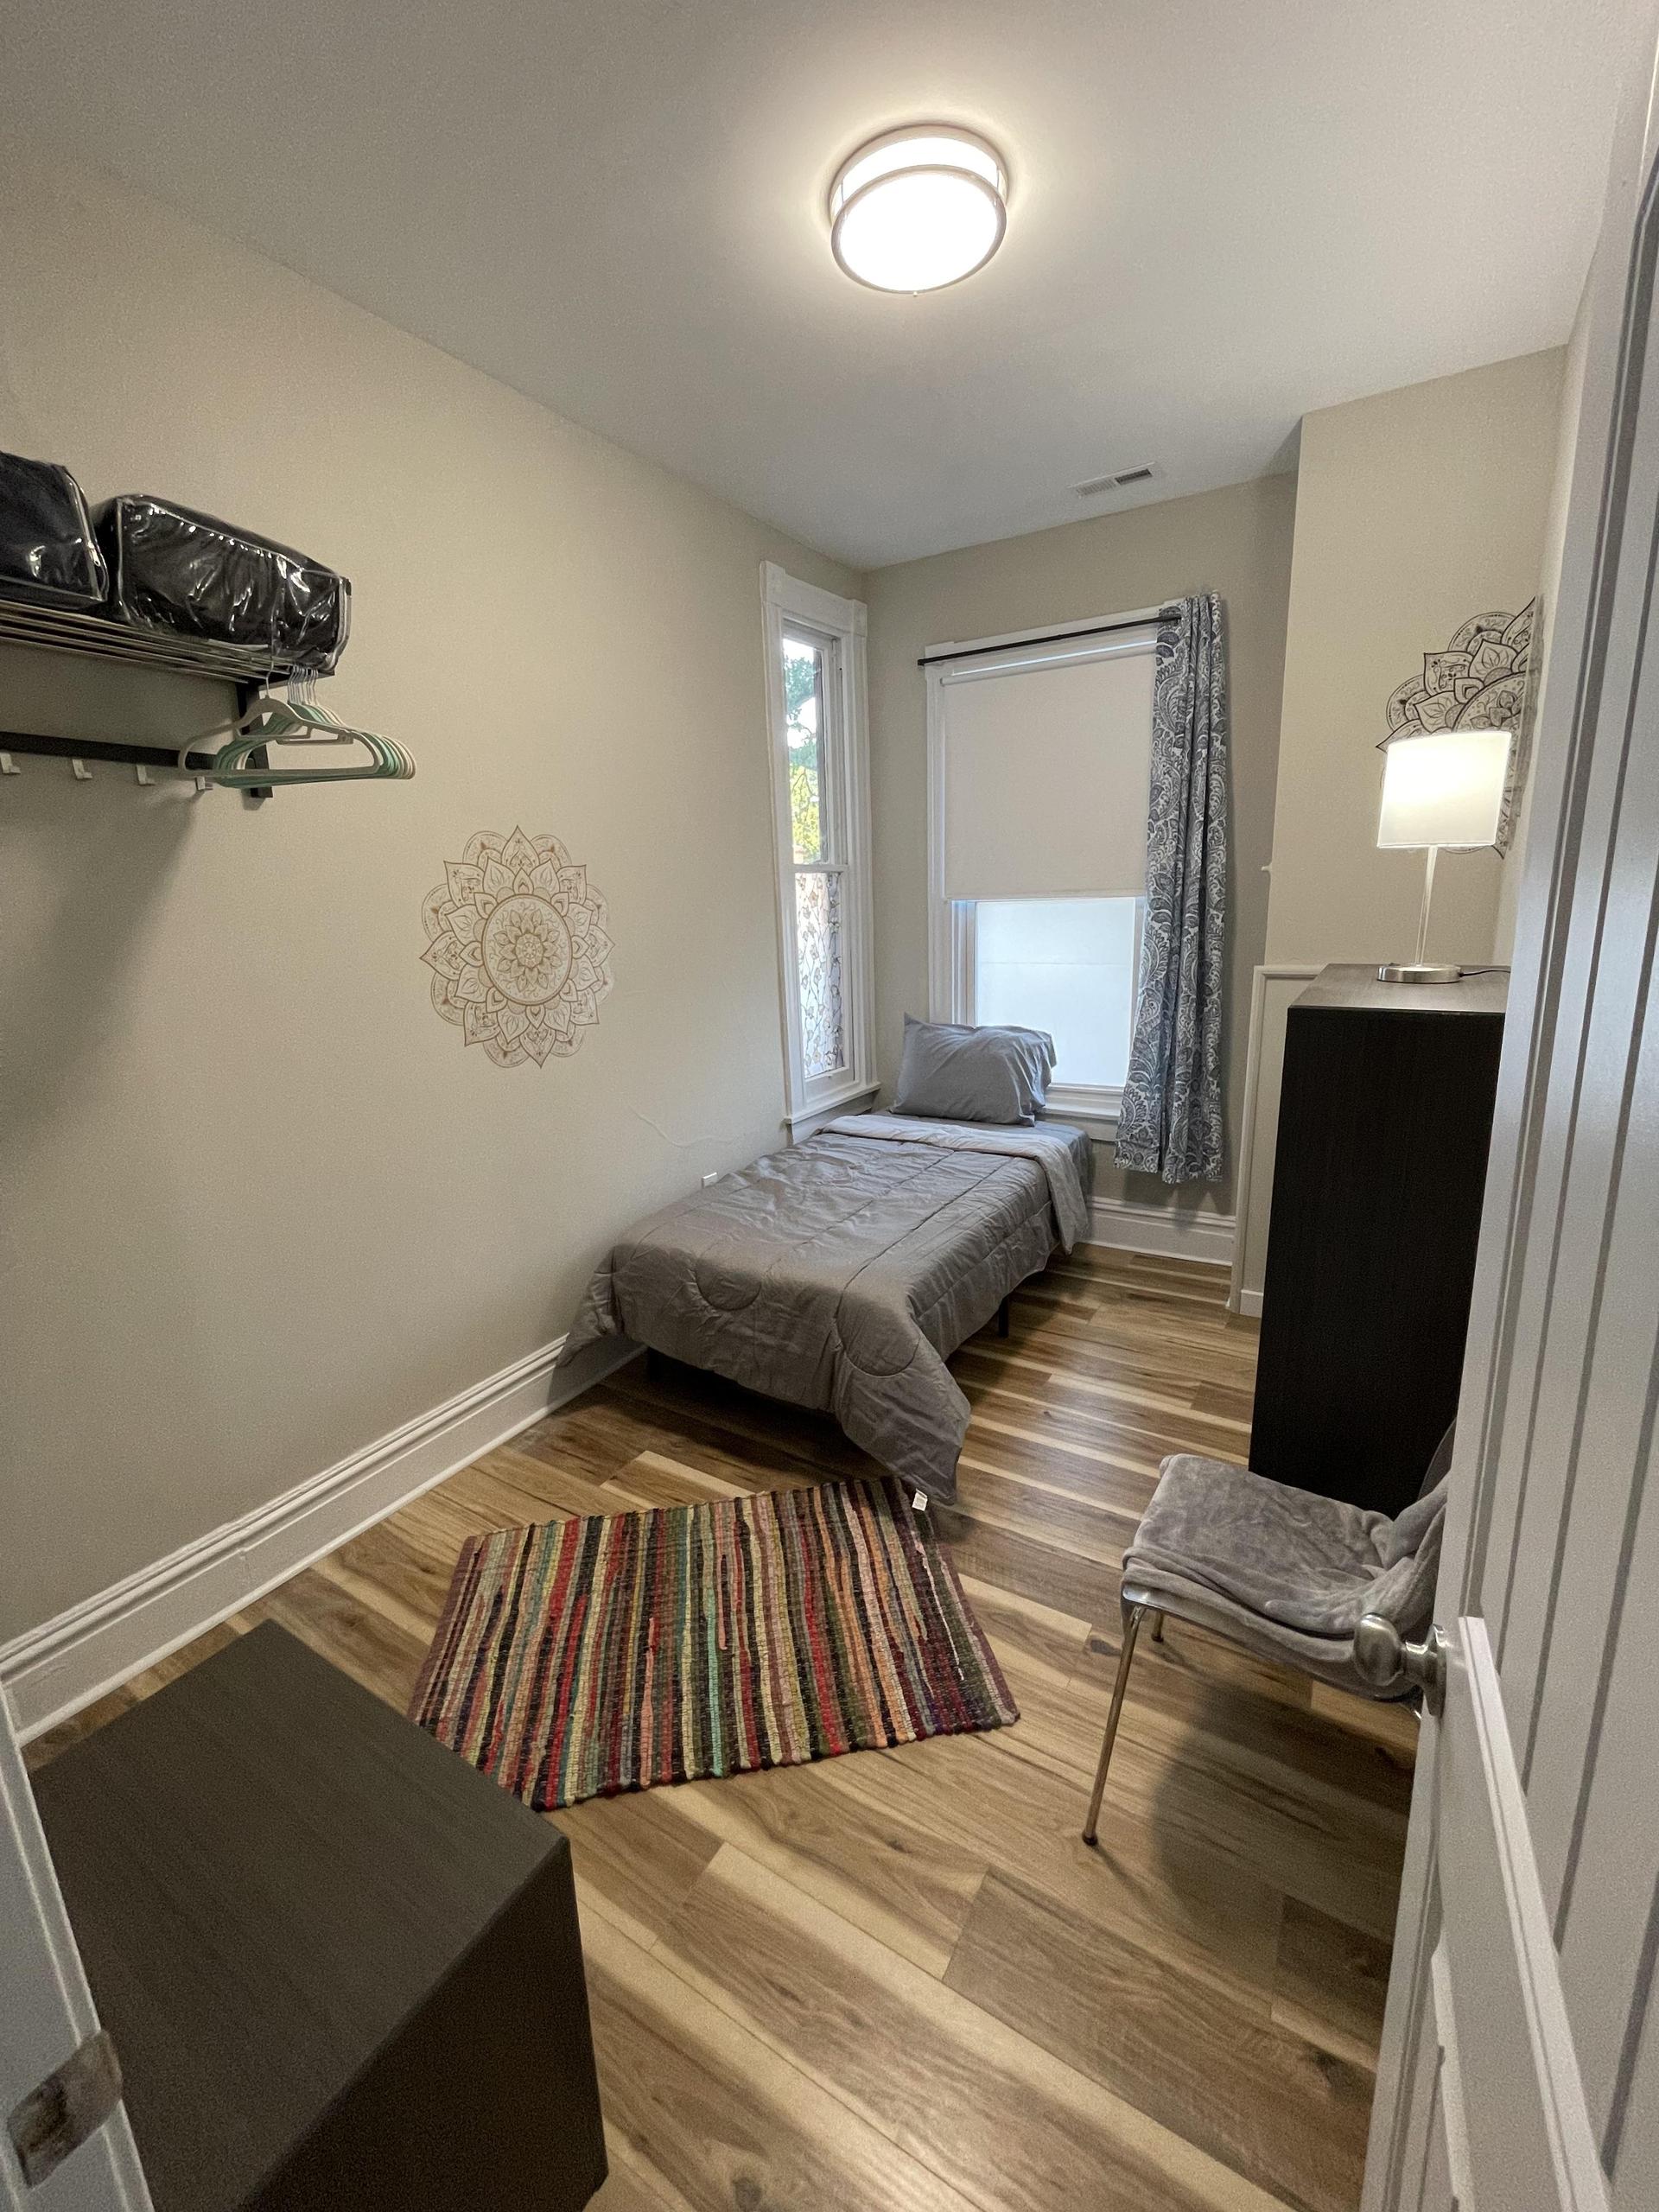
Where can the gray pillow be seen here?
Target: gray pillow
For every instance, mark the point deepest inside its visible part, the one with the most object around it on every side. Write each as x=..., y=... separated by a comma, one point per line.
x=950, y=1072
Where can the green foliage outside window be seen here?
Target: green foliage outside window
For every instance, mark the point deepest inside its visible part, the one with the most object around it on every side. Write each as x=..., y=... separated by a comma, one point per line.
x=800, y=719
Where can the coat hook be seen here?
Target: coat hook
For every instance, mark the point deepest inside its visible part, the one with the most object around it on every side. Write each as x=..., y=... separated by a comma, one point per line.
x=83, y=773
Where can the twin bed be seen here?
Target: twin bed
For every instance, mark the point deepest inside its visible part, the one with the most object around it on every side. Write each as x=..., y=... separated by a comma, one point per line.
x=841, y=1272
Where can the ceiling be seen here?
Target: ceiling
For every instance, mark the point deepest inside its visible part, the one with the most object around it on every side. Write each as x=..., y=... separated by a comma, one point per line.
x=1220, y=215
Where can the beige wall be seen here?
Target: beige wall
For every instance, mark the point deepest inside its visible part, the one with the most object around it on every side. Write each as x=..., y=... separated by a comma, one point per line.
x=1567, y=436
x=1414, y=510
x=257, y=1204
x=1236, y=542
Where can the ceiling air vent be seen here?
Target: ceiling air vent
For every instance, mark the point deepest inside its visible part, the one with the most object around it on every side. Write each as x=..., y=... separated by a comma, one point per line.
x=1119, y=481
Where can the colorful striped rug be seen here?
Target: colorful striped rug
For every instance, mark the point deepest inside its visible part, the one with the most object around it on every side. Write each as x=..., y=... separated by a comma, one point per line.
x=608, y=1654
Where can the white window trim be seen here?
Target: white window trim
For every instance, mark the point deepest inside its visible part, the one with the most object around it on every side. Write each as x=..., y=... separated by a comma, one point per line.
x=787, y=601
x=951, y=922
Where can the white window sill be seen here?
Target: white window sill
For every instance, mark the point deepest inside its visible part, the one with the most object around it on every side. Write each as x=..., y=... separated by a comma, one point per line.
x=810, y=1118
x=1098, y=1114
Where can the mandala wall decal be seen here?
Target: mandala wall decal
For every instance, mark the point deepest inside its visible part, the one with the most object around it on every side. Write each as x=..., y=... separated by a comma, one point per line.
x=516, y=945
x=1479, y=682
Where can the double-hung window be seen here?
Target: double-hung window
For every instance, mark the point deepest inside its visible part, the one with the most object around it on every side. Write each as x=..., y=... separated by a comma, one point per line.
x=815, y=694
x=1039, y=762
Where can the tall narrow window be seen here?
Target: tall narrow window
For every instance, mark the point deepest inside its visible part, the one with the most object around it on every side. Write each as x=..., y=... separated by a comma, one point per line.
x=815, y=645
x=819, y=869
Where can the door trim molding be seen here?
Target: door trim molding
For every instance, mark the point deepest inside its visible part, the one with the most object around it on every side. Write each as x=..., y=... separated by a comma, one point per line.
x=49, y=2007
x=49, y=1673
x=1573, y=2149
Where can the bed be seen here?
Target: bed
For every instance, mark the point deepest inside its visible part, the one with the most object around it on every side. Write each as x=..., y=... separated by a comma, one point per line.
x=841, y=1272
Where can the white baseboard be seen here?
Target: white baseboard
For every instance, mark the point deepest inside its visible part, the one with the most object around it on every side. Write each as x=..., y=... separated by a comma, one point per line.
x=1249, y=1302
x=1175, y=1233
x=50, y=1672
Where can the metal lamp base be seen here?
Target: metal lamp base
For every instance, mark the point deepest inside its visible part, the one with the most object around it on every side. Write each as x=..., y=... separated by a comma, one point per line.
x=1418, y=971
x=1421, y=970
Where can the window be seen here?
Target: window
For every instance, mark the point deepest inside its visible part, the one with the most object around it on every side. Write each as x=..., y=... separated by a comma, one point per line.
x=1039, y=760
x=1066, y=965
x=815, y=652
x=819, y=877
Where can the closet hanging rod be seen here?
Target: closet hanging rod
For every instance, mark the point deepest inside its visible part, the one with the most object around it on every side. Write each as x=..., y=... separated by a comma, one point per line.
x=1054, y=637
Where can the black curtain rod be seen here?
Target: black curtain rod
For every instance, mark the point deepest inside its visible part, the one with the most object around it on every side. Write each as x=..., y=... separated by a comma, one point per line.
x=1054, y=637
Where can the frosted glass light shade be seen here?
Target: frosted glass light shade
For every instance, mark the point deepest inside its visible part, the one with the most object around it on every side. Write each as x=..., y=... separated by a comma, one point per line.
x=918, y=208
x=1443, y=789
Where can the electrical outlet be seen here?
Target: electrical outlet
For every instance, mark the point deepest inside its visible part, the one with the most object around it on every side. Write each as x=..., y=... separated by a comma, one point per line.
x=709, y=1181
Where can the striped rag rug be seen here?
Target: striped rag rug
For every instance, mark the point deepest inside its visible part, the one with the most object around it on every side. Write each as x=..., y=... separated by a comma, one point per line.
x=611, y=1653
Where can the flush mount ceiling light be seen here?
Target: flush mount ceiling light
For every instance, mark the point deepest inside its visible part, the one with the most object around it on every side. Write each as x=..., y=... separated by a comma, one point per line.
x=918, y=208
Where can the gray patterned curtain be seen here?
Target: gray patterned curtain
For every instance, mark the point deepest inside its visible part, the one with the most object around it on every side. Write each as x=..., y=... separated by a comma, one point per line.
x=1170, y=1123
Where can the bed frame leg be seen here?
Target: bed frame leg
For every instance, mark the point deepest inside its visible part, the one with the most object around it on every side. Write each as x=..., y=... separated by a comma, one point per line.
x=1002, y=1315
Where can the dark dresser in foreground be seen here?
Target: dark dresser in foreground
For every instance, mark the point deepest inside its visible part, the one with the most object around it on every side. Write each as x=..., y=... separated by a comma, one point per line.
x=1384, y=1120
x=341, y=1969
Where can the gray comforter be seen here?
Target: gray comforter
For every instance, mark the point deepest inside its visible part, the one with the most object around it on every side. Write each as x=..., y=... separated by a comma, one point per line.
x=838, y=1273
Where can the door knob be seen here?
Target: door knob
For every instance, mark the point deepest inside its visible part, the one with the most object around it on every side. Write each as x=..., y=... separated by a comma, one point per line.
x=1388, y=1662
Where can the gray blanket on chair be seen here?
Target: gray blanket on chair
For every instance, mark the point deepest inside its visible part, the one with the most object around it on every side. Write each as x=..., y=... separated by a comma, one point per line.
x=1285, y=1571
x=840, y=1273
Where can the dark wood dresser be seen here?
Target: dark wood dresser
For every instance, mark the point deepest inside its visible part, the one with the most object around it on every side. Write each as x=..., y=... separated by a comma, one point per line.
x=1384, y=1119
x=341, y=1969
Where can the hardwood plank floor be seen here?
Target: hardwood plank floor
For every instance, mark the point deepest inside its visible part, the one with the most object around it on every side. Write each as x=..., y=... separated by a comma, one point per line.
x=1273, y=2105
x=900, y=1979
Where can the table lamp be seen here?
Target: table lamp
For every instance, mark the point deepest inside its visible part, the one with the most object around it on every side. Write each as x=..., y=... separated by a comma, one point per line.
x=1443, y=789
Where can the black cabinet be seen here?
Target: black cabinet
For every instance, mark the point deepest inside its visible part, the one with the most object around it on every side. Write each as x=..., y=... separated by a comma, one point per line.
x=1384, y=1120
x=341, y=1969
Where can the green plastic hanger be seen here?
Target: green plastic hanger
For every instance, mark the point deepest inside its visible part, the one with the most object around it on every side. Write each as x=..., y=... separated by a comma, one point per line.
x=296, y=719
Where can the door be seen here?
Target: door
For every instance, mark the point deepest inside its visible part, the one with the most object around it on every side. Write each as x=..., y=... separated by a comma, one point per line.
x=1520, y=2067
x=57, y=2085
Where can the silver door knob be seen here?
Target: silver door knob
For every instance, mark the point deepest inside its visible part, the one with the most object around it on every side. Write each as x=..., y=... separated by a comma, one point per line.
x=1388, y=1663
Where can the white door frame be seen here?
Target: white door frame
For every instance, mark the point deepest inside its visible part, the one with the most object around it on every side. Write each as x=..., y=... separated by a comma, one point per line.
x=47, y=2012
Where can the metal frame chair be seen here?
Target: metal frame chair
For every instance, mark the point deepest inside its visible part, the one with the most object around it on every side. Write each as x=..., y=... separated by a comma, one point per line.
x=1363, y=1647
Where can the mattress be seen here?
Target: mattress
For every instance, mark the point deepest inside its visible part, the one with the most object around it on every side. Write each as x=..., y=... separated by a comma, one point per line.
x=839, y=1274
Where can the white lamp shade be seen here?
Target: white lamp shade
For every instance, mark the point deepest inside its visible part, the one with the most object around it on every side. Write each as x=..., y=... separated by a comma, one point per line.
x=1443, y=789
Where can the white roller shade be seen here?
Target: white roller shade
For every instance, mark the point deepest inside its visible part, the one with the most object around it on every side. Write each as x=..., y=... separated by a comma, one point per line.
x=1045, y=772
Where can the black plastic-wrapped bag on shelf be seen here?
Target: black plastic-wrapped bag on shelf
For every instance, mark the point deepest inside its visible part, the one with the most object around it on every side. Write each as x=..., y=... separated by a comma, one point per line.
x=48, y=551
x=174, y=569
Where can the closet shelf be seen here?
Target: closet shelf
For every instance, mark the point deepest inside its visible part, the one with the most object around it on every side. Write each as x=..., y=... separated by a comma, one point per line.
x=58, y=630
x=244, y=764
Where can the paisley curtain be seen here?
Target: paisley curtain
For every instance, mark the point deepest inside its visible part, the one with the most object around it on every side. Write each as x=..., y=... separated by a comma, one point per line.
x=1170, y=1122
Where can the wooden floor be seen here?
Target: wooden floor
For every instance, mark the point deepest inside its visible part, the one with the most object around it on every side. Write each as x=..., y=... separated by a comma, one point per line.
x=898, y=1981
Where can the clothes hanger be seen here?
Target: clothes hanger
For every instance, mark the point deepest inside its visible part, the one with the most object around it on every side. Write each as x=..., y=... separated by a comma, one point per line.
x=234, y=767
x=297, y=719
